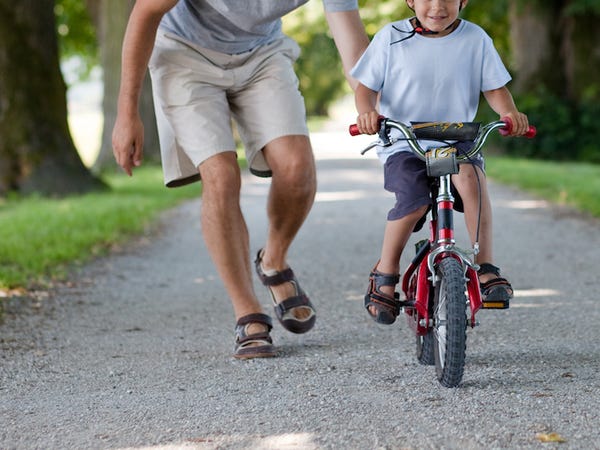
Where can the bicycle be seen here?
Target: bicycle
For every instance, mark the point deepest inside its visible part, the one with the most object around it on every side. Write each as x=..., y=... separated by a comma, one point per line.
x=441, y=283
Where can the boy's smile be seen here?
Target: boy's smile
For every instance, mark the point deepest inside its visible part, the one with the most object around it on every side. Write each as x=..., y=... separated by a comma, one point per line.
x=437, y=15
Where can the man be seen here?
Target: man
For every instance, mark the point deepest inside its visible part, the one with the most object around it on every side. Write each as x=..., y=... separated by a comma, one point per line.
x=212, y=61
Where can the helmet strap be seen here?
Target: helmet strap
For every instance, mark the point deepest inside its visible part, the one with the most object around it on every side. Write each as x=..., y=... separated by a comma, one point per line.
x=420, y=29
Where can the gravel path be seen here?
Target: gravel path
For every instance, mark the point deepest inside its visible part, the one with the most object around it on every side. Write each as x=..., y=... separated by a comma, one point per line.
x=135, y=351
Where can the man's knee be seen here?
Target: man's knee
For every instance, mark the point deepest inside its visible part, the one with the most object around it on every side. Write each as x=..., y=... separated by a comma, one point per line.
x=291, y=159
x=220, y=174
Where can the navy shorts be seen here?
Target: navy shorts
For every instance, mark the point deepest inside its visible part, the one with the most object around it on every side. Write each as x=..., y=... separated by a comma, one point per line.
x=406, y=176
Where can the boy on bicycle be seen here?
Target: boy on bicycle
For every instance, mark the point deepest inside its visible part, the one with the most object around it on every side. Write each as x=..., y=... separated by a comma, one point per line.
x=431, y=67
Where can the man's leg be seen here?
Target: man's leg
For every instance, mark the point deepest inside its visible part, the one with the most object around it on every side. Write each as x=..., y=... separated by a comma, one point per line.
x=291, y=197
x=225, y=232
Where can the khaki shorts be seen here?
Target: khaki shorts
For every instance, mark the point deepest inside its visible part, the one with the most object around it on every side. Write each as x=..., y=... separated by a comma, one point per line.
x=198, y=92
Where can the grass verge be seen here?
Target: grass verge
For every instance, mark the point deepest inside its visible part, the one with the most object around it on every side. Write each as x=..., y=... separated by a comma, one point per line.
x=566, y=183
x=41, y=237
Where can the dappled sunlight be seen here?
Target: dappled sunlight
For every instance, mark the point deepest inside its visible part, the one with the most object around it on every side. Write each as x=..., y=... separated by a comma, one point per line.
x=285, y=441
x=536, y=293
x=341, y=196
x=542, y=294
x=524, y=204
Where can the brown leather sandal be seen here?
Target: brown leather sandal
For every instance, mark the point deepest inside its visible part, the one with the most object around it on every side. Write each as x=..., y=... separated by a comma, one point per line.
x=387, y=307
x=256, y=345
x=497, y=292
x=284, y=308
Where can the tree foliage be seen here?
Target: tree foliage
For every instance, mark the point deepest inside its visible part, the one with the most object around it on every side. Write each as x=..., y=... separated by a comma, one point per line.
x=559, y=86
x=77, y=36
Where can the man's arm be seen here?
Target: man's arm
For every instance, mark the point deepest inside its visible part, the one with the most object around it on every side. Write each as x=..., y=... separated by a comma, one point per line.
x=350, y=39
x=128, y=132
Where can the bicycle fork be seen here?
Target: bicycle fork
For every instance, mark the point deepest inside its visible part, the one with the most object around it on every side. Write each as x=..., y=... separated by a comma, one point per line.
x=421, y=274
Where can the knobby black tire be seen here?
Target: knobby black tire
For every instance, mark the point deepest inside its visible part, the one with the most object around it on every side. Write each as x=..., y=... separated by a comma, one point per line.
x=450, y=322
x=425, y=349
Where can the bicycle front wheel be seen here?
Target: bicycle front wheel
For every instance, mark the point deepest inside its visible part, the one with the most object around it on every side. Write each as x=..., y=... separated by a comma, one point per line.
x=450, y=322
x=425, y=349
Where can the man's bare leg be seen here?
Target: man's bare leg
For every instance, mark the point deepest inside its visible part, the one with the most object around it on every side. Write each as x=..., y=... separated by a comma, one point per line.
x=225, y=232
x=291, y=197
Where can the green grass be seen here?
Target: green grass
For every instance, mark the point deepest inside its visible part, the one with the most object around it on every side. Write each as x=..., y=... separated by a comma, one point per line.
x=41, y=237
x=567, y=183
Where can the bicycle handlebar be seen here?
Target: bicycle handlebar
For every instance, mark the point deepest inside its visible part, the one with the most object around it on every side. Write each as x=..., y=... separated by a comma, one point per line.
x=530, y=134
x=504, y=126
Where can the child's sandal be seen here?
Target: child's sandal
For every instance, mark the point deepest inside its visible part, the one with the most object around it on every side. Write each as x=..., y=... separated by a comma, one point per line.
x=385, y=306
x=497, y=292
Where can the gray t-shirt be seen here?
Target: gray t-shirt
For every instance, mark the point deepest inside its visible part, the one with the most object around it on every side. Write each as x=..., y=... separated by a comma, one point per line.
x=235, y=26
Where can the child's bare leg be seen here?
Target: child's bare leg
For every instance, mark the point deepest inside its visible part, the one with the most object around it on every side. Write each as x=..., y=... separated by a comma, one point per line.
x=466, y=182
x=471, y=184
x=395, y=237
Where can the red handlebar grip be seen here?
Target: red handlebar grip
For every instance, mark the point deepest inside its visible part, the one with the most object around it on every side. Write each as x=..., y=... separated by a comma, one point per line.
x=531, y=132
x=353, y=130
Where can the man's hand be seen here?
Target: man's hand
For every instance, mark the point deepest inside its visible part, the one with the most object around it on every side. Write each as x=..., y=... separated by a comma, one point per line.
x=128, y=142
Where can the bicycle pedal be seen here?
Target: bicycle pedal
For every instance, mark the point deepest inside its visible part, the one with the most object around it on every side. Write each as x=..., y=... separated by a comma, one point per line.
x=495, y=305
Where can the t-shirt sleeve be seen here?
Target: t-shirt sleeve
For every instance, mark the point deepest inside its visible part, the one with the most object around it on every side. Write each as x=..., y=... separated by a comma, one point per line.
x=340, y=5
x=494, y=74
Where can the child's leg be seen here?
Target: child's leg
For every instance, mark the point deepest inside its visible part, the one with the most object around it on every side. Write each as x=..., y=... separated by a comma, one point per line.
x=396, y=235
x=406, y=176
x=380, y=300
x=469, y=188
x=472, y=186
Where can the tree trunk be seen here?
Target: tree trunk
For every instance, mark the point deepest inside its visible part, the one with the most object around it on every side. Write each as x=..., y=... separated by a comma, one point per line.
x=37, y=153
x=581, y=50
x=536, y=35
x=113, y=16
x=555, y=50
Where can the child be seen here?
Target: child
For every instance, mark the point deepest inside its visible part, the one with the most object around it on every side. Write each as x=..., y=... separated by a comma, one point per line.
x=431, y=67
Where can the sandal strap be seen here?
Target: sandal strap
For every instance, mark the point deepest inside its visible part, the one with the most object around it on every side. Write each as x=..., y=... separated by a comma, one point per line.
x=255, y=318
x=378, y=299
x=277, y=278
x=262, y=337
x=385, y=279
x=258, y=338
x=385, y=300
x=488, y=268
x=495, y=282
x=290, y=303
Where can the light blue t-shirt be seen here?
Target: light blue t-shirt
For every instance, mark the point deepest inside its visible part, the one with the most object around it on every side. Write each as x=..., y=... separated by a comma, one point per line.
x=424, y=79
x=235, y=26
